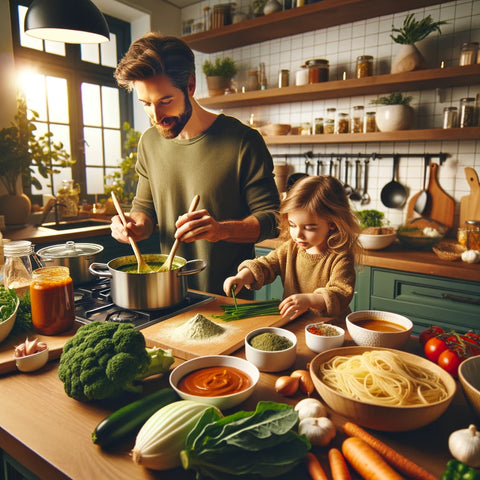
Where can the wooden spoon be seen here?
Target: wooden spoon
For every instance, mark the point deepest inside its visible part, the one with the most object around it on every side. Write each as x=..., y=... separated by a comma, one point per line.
x=167, y=266
x=143, y=266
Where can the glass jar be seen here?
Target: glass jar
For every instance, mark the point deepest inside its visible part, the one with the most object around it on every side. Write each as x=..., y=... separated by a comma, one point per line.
x=356, y=125
x=283, y=78
x=467, y=112
x=68, y=196
x=450, y=117
x=262, y=76
x=364, y=66
x=301, y=76
x=318, y=125
x=317, y=70
x=473, y=234
x=207, y=18
x=306, y=128
x=342, y=124
x=468, y=54
x=329, y=121
x=17, y=273
x=369, y=123
x=51, y=296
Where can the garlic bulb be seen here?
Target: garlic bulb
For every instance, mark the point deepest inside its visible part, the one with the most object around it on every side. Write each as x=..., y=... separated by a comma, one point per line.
x=320, y=431
x=310, y=408
x=471, y=256
x=464, y=445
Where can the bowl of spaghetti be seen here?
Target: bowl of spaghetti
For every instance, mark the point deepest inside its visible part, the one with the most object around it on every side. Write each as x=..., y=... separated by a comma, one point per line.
x=382, y=388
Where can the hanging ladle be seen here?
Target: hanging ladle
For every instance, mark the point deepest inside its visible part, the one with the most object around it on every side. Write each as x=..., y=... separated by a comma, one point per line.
x=423, y=199
x=356, y=195
x=365, y=195
x=394, y=194
x=346, y=186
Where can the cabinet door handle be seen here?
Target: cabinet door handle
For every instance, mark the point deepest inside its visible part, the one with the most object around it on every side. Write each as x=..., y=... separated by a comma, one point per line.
x=449, y=296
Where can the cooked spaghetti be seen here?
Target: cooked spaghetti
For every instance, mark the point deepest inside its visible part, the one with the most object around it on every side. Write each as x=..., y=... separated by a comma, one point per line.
x=383, y=378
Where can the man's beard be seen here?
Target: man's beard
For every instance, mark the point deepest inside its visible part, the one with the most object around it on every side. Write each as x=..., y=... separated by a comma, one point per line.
x=177, y=124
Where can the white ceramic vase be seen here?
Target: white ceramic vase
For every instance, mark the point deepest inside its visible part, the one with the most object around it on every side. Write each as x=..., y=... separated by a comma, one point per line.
x=394, y=117
x=408, y=59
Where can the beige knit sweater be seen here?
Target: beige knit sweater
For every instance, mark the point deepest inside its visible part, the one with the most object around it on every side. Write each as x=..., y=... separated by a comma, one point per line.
x=328, y=273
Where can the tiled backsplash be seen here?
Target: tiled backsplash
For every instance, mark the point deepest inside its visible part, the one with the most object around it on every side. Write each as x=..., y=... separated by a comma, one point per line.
x=341, y=45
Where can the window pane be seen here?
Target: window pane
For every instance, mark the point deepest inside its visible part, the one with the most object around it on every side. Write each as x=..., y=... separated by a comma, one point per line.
x=57, y=99
x=93, y=146
x=109, y=52
x=89, y=53
x=57, y=48
x=95, y=181
x=91, y=104
x=111, y=107
x=33, y=86
x=113, y=154
x=27, y=40
x=65, y=174
x=46, y=189
x=61, y=133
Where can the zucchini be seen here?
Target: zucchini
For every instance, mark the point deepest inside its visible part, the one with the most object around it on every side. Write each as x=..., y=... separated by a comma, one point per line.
x=127, y=420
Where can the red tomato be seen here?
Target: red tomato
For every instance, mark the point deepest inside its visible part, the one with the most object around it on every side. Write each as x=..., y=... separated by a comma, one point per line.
x=428, y=333
x=434, y=347
x=449, y=361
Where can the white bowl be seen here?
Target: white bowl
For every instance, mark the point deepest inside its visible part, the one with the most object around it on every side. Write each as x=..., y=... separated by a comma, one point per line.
x=319, y=343
x=390, y=118
x=370, y=338
x=7, y=325
x=268, y=361
x=223, y=401
x=469, y=376
x=376, y=242
x=32, y=362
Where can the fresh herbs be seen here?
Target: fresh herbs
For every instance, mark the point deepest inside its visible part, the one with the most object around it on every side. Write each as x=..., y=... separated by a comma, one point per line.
x=23, y=322
x=370, y=218
x=247, y=444
x=413, y=31
x=395, y=98
x=8, y=302
x=225, y=67
x=247, y=310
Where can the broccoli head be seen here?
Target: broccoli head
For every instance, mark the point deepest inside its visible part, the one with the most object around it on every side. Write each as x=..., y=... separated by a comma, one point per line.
x=104, y=359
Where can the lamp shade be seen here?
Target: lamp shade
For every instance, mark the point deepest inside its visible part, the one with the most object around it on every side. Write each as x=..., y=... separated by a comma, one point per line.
x=68, y=21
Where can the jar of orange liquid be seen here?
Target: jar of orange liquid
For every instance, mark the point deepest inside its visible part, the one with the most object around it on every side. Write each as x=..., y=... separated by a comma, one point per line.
x=51, y=296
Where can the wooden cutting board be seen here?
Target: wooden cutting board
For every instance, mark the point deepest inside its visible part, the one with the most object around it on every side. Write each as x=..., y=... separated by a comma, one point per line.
x=470, y=204
x=441, y=205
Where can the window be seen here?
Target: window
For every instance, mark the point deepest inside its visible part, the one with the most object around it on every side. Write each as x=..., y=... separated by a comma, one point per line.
x=73, y=90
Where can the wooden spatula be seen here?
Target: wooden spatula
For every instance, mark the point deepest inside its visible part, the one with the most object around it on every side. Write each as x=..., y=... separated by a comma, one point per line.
x=168, y=262
x=143, y=266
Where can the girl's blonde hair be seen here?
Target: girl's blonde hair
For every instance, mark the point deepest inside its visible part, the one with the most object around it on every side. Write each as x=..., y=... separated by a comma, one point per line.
x=325, y=197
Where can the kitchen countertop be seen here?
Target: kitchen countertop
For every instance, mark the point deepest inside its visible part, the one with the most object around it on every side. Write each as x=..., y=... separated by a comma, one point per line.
x=50, y=433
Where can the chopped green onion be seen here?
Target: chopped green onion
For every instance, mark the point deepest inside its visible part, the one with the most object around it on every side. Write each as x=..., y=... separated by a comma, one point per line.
x=248, y=310
x=234, y=297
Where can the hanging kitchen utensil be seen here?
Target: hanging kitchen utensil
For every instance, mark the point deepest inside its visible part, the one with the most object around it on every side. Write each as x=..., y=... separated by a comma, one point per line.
x=142, y=264
x=169, y=261
x=470, y=204
x=422, y=201
x=346, y=186
x=394, y=194
x=356, y=195
x=319, y=167
x=365, y=195
x=308, y=161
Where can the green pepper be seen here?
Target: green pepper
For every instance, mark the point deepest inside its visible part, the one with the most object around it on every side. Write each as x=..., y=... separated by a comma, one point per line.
x=456, y=470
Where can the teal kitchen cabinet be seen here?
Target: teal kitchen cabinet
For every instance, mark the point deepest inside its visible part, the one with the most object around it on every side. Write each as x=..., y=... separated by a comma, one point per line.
x=425, y=299
x=273, y=290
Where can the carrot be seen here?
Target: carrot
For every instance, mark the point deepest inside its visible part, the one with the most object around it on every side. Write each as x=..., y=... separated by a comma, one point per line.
x=366, y=461
x=394, y=458
x=338, y=466
x=315, y=470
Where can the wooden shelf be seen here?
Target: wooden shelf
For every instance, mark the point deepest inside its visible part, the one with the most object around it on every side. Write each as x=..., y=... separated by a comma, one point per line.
x=323, y=14
x=440, y=134
x=378, y=84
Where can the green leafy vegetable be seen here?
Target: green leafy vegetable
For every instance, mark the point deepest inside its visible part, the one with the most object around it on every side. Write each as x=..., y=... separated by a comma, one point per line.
x=23, y=322
x=8, y=302
x=395, y=98
x=370, y=218
x=413, y=31
x=252, y=444
x=247, y=310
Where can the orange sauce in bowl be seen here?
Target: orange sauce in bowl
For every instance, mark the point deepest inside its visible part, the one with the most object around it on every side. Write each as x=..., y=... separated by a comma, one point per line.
x=380, y=325
x=215, y=381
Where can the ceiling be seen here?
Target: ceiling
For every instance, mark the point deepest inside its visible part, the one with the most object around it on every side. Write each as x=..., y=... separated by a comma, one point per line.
x=181, y=3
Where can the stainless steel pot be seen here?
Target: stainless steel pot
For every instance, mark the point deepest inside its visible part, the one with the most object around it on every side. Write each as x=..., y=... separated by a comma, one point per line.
x=76, y=256
x=147, y=291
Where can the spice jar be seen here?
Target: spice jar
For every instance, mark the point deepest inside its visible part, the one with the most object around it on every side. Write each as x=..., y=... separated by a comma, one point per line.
x=18, y=266
x=467, y=112
x=283, y=78
x=301, y=76
x=364, y=66
x=317, y=70
x=473, y=234
x=449, y=117
x=51, y=296
x=468, y=54
x=68, y=198
x=318, y=125
x=356, y=125
x=329, y=122
x=342, y=123
x=369, y=123
x=306, y=128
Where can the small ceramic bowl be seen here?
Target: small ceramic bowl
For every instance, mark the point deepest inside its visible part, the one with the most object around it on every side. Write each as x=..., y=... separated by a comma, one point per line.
x=7, y=325
x=317, y=342
x=469, y=376
x=376, y=242
x=32, y=362
x=271, y=361
x=222, y=401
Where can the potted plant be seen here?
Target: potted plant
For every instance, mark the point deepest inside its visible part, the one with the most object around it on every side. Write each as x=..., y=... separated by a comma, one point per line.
x=20, y=151
x=219, y=75
x=375, y=234
x=409, y=57
x=393, y=112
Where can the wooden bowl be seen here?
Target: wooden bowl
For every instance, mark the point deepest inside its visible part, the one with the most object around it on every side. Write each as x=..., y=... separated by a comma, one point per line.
x=449, y=250
x=380, y=417
x=275, y=129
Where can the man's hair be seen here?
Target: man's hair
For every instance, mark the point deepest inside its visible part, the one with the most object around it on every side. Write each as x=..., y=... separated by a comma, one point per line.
x=154, y=54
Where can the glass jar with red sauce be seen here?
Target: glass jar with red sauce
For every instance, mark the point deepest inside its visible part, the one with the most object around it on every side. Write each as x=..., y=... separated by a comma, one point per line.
x=51, y=296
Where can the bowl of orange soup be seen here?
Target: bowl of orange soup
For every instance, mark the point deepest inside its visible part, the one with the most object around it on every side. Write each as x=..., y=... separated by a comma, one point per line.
x=218, y=380
x=376, y=328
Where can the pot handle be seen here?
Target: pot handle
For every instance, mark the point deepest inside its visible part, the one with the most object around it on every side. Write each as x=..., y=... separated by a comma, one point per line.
x=103, y=267
x=192, y=267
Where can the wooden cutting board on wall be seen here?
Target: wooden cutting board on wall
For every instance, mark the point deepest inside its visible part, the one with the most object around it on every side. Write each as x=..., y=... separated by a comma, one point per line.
x=441, y=205
x=470, y=204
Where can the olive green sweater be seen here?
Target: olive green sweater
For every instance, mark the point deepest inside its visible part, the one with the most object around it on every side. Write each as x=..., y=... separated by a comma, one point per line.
x=331, y=274
x=230, y=167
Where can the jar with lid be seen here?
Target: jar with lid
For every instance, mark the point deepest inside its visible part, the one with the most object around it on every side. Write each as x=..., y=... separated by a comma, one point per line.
x=283, y=78
x=356, y=125
x=468, y=53
x=317, y=70
x=306, y=128
x=262, y=76
x=18, y=266
x=369, y=123
x=301, y=76
x=473, y=234
x=68, y=198
x=342, y=123
x=364, y=67
x=450, y=117
x=467, y=112
x=318, y=125
x=329, y=121
x=207, y=18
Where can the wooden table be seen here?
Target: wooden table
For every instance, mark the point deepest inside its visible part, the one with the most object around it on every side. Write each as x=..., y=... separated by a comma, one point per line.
x=50, y=433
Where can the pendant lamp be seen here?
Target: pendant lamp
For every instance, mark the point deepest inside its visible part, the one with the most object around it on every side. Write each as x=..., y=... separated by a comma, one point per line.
x=67, y=21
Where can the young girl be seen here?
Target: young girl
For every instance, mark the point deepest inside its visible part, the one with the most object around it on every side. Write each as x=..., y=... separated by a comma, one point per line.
x=317, y=264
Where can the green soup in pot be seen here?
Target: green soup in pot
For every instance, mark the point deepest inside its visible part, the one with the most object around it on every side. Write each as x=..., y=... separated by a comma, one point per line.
x=155, y=266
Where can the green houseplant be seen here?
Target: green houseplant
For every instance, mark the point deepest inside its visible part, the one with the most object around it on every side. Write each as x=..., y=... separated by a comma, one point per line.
x=219, y=74
x=394, y=112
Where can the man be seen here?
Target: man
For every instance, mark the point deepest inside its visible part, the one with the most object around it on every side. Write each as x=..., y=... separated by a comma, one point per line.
x=190, y=151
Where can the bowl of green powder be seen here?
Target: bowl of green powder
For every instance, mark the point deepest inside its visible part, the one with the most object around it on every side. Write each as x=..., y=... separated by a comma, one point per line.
x=271, y=349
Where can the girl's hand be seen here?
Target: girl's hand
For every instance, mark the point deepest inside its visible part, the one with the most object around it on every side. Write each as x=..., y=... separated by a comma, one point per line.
x=232, y=282
x=294, y=305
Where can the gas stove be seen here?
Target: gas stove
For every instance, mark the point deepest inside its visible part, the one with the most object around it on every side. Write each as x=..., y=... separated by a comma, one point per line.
x=94, y=303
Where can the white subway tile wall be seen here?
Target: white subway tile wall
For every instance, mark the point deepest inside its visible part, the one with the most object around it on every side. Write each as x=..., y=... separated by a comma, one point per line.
x=341, y=45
